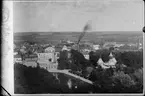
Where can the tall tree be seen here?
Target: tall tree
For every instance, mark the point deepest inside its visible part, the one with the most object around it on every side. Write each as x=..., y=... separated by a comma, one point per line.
x=86, y=28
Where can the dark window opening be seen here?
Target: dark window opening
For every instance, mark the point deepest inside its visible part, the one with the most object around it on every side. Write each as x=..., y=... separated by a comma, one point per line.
x=50, y=59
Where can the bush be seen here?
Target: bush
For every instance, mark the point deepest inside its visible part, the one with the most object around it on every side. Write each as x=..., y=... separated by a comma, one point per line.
x=123, y=82
x=28, y=80
x=102, y=80
x=132, y=59
x=122, y=78
x=138, y=77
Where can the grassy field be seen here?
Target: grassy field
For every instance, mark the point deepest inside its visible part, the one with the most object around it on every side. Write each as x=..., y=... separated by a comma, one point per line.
x=55, y=37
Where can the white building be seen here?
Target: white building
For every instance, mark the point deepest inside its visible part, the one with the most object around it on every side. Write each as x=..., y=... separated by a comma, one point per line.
x=140, y=46
x=30, y=64
x=96, y=47
x=101, y=63
x=57, y=55
x=65, y=48
x=118, y=45
x=87, y=56
x=111, y=63
x=68, y=41
x=46, y=57
x=109, y=44
x=49, y=50
x=132, y=45
x=17, y=59
x=15, y=53
x=48, y=60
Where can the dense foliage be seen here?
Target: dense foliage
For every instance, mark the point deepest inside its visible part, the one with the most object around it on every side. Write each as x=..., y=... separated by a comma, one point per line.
x=126, y=78
x=28, y=80
x=133, y=59
x=33, y=80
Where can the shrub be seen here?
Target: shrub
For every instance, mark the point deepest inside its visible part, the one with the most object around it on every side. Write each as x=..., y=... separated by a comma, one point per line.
x=30, y=80
x=123, y=82
x=132, y=59
x=102, y=80
x=138, y=77
x=124, y=79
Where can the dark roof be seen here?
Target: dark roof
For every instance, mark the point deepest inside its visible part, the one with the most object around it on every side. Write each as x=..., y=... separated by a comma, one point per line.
x=58, y=49
x=40, y=50
x=32, y=56
x=17, y=56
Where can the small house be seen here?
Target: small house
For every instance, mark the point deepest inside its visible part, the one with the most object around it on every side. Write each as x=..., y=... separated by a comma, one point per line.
x=64, y=48
x=17, y=59
x=46, y=57
x=86, y=55
x=111, y=63
x=101, y=63
x=96, y=47
x=15, y=53
x=31, y=57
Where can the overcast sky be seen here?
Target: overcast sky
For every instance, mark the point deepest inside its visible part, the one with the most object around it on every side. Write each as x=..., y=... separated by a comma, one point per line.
x=102, y=15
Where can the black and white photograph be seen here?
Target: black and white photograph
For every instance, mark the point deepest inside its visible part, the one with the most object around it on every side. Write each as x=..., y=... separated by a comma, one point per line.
x=78, y=46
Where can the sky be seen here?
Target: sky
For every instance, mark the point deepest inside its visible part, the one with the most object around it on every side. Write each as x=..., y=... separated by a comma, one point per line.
x=73, y=15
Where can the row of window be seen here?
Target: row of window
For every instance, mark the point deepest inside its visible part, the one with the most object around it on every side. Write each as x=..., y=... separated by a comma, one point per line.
x=49, y=67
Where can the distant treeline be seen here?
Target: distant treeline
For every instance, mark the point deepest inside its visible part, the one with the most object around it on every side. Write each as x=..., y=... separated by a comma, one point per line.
x=54, y=37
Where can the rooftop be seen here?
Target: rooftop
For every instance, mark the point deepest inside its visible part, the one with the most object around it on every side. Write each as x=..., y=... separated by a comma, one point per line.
x=17, y=56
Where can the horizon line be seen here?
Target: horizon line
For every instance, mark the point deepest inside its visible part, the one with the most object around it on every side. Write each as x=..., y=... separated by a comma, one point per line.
x=72, y=31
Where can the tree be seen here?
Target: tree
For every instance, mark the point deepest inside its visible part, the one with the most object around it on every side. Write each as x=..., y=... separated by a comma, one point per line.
x=102, y=80
x=123, y=82
x=78, y=59
x=111, y=48
x=94, y=57
x=132, y=59
x=105, y=55
x=138, y=77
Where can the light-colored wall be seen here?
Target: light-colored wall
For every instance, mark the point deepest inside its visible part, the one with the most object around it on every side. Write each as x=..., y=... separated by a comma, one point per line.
x=46, y=56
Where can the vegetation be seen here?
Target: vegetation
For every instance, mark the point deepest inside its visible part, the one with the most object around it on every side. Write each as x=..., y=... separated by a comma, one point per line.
x=28, y=80
x=126, y=78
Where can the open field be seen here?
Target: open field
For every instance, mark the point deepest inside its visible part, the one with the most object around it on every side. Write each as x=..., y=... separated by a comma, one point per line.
x=55, y=37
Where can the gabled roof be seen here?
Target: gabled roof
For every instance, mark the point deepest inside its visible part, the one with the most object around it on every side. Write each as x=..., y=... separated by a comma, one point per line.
x=49, y=48
x=32, y=56
x=64, y=48
x=111, y=55
x=100, y=61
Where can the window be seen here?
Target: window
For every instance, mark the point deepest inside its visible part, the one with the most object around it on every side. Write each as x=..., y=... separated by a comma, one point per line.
x=50, y=60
